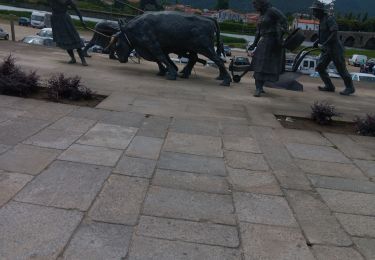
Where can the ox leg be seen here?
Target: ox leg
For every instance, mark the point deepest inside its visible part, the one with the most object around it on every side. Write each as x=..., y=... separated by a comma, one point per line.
x=224, y=75
x=171, y=67
x=186, y=72
x=162, y=69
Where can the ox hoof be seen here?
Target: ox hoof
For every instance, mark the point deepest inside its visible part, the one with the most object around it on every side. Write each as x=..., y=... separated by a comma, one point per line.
x=184, y=76
x=220, y=78
x=171, y=77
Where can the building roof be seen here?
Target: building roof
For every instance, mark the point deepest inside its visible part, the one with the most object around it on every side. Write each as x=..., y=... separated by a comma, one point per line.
x=308, y=21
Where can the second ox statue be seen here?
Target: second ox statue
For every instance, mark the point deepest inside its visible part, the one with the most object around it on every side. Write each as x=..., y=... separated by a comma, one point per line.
x=155, y=35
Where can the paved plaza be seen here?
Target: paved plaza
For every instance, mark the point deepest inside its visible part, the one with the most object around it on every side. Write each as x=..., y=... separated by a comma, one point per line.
x=186, y=169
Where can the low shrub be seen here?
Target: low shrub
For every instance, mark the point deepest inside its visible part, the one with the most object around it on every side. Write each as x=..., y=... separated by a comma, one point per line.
x=61, y=87
x=366, y=125
x=14, y=81
x=322, y=112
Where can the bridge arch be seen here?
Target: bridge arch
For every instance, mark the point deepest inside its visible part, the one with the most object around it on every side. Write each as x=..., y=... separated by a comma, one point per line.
x=370, y=44
x=350, y=41
x=314, y=37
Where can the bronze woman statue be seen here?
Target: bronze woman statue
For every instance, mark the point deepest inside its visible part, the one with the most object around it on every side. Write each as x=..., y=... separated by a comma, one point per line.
x=64, y=33
x=268, y=59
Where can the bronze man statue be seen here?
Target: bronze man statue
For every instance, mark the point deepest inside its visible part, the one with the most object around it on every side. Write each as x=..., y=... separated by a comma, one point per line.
x=332, y=50
x=268, y=59
x=64, y=33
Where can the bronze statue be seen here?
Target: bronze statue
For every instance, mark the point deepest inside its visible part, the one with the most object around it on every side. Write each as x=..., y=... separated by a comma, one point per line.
x=64, y=33
x=332, y=50
x=267, y=61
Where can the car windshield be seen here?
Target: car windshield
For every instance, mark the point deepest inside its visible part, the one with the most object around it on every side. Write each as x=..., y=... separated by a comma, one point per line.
x=37, y=18
x=45, y=33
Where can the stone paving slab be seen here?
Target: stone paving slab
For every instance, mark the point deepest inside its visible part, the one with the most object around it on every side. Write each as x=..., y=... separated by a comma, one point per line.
x=4, y=148
x=98, y=241
x=302, y=137
x=249, y=161
x=342, y=184
x=27, y=159
x=241, y=144
x=128, y=119
x=193, y=144
x=65, y=185
x=49, y=111
x=349, y=202
x=316, y=220
x=349, y=147
x=271, y=242
x=192, y=163
x=51, y=138
x=361, y=226
x=191, y=181
x=10, y=184
x=110, y=136
x=138, y=167
x=263, y=209
x=292, y=179
x=35, y=232
x=336, y=253
x=79, y=125
x=120, y=200
x=155, y=127
x=349, y=171
x=366, y=246
x=195, y=127
x=316, y=153
x=255, y=182
x=144, y=248
x=15, y=131
x=145, y=147
x=91, y=155
x=189, y=205
x=203, y=233
x=367, y=166
x=236, y=130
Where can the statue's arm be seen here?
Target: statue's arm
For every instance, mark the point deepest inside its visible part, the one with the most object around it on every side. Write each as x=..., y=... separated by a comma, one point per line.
x=74, y=7
x=256, y=40
x=333, y=27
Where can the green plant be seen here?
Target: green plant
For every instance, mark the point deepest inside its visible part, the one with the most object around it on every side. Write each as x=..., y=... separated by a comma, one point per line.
x=14, y=81
x=61, y=87
x=322, y=112
x=365, y=125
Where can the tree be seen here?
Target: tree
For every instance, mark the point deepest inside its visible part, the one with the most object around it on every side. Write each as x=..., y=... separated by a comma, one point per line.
x=365, y=17
x=222, y=4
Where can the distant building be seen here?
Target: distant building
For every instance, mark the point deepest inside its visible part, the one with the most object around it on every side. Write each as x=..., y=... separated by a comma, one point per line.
x=183, y=8
x=305, y=24
x=250, y=18
x=228, y=15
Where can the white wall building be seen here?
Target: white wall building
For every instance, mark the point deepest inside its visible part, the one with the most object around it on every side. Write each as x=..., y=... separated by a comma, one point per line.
x=305, y=24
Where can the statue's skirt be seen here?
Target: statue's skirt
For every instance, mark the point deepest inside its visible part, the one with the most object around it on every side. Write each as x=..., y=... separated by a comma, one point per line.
x=64, y=33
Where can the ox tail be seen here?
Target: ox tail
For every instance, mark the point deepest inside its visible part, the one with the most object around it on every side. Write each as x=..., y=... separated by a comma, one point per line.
x=219, y=42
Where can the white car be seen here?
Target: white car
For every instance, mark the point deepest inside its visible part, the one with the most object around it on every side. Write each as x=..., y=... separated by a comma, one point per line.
x=357, y=60
x=330, y=74
x=4, y=35
x=363, y=77
x=46, y=32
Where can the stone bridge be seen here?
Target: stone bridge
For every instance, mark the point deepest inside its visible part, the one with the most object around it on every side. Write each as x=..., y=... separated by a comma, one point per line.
x=364, y=40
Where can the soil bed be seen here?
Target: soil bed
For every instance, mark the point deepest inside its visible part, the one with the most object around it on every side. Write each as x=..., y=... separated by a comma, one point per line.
x=302, y=123
x=43, y=95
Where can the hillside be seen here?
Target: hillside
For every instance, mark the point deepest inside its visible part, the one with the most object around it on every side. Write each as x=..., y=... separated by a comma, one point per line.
x=342, y=6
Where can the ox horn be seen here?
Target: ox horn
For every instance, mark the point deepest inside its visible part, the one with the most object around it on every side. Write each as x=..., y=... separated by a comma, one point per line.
x=113, y=41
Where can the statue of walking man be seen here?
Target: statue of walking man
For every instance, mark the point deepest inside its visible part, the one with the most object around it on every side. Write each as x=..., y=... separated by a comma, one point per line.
x=332, y=50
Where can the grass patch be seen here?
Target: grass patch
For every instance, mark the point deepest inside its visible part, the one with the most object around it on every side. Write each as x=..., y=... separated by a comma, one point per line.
x=234, y=42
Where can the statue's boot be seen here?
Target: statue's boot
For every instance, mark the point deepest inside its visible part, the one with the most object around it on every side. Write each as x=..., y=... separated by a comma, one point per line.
x=72, y=58
x=348, y=90
x=259, y=88
x=258, y=93
x=82, y=57
x=327, y=89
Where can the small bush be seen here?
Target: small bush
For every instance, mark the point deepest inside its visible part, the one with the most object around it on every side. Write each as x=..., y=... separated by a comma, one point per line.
x=14, y=81
x=61, y=87
x=322, y=112
x=365, y=126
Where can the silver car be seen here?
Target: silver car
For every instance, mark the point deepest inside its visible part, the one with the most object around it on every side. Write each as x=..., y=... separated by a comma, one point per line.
x=3, y=34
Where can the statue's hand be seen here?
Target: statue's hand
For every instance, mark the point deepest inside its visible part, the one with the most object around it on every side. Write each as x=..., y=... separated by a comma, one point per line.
x=316, y=44
x=251, y=47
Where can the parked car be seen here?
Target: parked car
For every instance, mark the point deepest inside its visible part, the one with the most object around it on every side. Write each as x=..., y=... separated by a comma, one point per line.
x=227, y=50
x=46, y=32
x=363, y=77
x=3, y=34
x=357, y=60
x=330, y=74
x=24, y=21
x=40, y=19
x=37, y=40
x=368, y=67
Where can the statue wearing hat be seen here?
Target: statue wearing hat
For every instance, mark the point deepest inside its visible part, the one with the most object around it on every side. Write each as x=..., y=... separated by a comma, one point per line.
x=332, y=50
